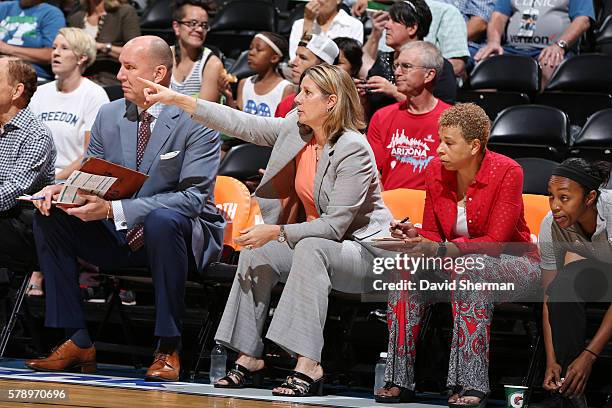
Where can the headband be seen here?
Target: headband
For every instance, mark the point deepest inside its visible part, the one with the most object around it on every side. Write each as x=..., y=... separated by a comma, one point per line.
x=270, y=43
x=411, y=5
x=579, y=176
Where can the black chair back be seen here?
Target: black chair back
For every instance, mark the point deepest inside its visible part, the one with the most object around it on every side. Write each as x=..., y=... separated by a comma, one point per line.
x=531, y=131
x=595, y=139
x=583, y=73
x=157, y=15
x=246, y=15
x=240, y=67
x=506, y=73
x=536, y=173
x=244, y=161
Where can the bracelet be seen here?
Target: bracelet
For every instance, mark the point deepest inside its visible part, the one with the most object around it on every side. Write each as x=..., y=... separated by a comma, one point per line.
x=108, y=210
x=593, y=353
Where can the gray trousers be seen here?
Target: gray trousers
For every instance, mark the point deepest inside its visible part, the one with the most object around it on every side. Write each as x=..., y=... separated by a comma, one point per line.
x=310, y=271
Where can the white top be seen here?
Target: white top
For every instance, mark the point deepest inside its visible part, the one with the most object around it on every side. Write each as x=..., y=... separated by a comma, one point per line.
x=192, y=84
x=261, y=105
x=342, y=25
x=68, y=116
x=92, y=30
x=461, y=227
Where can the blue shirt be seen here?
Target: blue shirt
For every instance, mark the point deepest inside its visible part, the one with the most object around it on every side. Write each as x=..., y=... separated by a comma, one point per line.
x=553, y=18
x=33, y=27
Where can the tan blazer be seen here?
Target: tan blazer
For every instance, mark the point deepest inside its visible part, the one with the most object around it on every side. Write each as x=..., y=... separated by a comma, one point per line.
x=346, y=188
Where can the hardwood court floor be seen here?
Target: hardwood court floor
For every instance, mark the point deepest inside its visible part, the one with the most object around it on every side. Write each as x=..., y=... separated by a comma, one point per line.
x=102, y=397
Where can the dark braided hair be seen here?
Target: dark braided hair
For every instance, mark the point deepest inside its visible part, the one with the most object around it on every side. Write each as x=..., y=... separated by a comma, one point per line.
x=600, y=170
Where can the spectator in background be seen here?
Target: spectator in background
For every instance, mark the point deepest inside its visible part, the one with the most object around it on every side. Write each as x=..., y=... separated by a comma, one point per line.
x=447, y=31
x=111, y=23
x=69, y=105
x=27, y=29
x=261, y=93
x=406, y=21
x=547, y=31
x=323, y=17
x=196, y=69
x=312, y=50
x=350, y=57
x=404, y=135
x=476, y=14
x=27, y=152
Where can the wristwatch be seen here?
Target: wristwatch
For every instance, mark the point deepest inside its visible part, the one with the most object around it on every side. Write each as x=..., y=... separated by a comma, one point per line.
x=441, y=251
x=109, y=48
x=282, y=237
x=562, y=44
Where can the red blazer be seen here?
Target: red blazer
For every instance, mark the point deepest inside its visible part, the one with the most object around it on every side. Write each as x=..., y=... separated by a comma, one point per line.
x=493, y=206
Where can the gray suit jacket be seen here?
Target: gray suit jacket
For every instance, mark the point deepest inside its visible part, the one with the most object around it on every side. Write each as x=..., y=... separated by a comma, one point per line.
x=183, y=183
x=346, y=188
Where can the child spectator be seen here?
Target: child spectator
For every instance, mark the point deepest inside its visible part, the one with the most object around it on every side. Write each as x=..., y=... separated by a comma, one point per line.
x=261, y=93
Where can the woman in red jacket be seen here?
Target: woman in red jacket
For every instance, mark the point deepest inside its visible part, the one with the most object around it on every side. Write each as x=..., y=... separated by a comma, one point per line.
x=473, y=209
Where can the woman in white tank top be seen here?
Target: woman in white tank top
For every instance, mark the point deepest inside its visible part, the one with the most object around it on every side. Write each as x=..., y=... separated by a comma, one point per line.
x=196, y=68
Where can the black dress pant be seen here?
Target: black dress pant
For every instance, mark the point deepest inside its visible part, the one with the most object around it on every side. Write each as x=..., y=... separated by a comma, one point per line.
x=576, y=285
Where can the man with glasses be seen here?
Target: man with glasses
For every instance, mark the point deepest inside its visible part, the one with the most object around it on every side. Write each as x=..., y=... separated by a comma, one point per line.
x=404, y=136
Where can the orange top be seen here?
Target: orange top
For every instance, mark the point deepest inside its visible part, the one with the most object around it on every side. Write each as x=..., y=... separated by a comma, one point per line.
x=305, y=170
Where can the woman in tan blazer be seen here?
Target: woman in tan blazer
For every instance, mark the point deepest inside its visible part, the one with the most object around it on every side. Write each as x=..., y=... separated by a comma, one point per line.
x=319, y=197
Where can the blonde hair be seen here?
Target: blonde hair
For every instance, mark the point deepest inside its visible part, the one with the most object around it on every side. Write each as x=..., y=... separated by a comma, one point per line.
x=347, y=113
x=470, y=119
x=109, y=5
x=81, y=43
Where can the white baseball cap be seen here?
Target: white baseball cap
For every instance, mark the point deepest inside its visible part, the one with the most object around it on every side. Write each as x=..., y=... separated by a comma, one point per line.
x=324, y=48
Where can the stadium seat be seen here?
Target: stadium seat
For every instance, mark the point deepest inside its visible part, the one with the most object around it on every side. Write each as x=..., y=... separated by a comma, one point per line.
x=580, y=86
x=113, y=92
x=595, y=140
x=501, y=81
x=578, y=105
x=296, y=13
x=156, y=20
x=244, y=161
x=603, y=36
x=405, y=202
x=583, y=73
x=238, y=21
x=536, y=208
x=233, y=199
x=531, y=131
x=506, y=73
x=240, y=67
x=536, y=172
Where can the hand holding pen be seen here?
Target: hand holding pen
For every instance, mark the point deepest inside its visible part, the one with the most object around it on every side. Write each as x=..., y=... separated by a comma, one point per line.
x=403, y=229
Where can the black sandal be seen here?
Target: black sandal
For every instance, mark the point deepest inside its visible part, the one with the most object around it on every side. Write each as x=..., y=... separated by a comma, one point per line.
x=237, y=377
x=301, y=385
x=470, y=393
x=405, y=395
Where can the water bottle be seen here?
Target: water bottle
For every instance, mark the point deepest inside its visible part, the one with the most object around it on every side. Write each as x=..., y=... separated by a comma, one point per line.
x=379, y=372
x=218, y=362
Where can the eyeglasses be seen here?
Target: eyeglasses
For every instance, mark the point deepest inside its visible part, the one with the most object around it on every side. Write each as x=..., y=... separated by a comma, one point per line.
x=406, y=66
x=193, y=24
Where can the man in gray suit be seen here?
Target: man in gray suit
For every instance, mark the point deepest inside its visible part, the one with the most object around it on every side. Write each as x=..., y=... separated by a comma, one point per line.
x=170, y=225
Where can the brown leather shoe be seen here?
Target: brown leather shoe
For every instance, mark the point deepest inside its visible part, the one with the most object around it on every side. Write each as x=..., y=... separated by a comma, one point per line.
x=66, y=357
x=165, y=367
